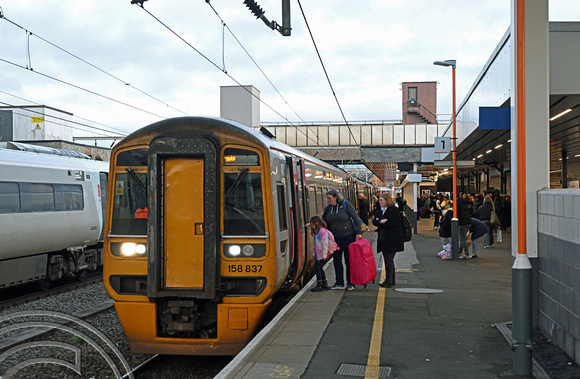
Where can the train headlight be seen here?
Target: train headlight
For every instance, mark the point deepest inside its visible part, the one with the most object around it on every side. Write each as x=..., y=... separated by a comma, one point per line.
x=248, y=250
x=129, y=249
x=234, y=250
x=244, y=251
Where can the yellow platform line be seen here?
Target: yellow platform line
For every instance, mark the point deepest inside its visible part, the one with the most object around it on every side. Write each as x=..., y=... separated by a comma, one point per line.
x=374, y=360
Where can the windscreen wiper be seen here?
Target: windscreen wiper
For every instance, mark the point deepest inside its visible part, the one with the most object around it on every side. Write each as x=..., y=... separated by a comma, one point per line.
x=140, y=184
x=241, y=175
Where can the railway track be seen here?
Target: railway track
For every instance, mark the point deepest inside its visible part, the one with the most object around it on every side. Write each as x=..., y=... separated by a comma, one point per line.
x=101, y=317
x=38, y=295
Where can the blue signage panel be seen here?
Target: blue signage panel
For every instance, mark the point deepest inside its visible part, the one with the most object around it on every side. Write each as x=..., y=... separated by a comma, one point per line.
x=494, y=118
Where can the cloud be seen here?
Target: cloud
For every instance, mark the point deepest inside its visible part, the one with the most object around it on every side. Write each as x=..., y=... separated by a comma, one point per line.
x=368, y=49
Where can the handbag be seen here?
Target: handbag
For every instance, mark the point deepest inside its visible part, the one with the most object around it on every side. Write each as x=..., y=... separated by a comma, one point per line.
x=494, y=220
x=363, y=227
x=498, y=238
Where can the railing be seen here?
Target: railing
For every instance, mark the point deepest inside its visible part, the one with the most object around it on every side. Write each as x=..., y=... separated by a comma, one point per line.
x=422, y=111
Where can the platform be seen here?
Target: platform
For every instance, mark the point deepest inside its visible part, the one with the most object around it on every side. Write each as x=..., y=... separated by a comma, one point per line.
x=440, y=320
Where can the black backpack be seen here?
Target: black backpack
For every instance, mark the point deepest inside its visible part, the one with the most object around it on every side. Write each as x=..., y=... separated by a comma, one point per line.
x=407, y=229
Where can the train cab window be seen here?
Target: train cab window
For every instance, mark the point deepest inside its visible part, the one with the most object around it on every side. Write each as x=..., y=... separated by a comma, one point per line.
x=243, y=204
x=130, y=206
x=41, y=197
x=135, y=157
x=9, y=198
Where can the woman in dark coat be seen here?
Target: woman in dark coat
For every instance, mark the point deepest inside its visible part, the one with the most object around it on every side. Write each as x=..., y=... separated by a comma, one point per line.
x=343, y=221
x=363, y=208
x=483, y=213
x=445, y=227
x=506, y=219
x=390, y=235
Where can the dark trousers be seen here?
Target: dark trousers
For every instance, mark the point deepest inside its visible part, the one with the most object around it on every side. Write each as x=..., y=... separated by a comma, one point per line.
x=337, y=259
x=319, y=270
x=436, y=216
x=389, y=268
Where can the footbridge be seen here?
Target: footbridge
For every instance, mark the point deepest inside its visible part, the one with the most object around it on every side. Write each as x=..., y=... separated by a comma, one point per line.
x=379, y=145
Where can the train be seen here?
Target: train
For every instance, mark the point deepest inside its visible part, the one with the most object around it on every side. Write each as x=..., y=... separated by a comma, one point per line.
x=52, y=214
x=206, y=222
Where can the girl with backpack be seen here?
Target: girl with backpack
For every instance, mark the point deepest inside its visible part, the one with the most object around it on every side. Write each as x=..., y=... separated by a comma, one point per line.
x=324, y=246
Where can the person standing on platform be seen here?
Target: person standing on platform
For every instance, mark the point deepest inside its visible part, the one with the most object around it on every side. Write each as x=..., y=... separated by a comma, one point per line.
x=478, y=229
x=436, y=208
x=464, y=217
x=363, y=208
x=506, y=218
x=324, y=245
x=399, y=202
x=390, y=235
x=484, y=214
x=445, y=227
x=343, y=222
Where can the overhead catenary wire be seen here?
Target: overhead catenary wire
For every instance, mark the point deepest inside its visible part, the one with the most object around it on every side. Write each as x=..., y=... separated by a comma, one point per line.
x=112, y=129
x=225, y=26
x=57, y=118
x=81, y=88
x=213, y=63
x=29, y=62
x=328, y=79
x=317, y=142
x=91, y=128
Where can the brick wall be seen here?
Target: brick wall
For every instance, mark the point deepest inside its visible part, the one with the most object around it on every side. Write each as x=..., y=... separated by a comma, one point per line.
x=559, y=268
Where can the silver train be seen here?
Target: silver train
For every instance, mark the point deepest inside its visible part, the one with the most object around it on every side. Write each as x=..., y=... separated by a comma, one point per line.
x=52, y=210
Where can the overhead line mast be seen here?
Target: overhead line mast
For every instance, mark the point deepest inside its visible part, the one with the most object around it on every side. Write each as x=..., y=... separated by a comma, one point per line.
x=284, y=29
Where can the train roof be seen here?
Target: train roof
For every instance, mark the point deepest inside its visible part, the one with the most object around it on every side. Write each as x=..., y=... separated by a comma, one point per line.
x=175, y=126
x=12, y=155
x=10, y=145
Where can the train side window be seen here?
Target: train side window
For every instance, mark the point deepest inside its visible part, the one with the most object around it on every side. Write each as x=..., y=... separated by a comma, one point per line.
x=72, y=197
x=41, y=197
x=104, y=192
x=282, y=207
x=9, y=198
x=312, y=201
x=320, y=194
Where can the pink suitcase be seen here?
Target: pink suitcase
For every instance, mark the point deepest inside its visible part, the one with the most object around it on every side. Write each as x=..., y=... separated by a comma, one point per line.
x=363, y=268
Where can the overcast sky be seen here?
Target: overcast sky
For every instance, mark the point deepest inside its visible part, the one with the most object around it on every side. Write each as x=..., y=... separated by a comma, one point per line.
x=368, y=47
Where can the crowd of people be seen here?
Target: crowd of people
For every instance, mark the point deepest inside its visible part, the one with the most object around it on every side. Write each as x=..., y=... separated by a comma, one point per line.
x=477, y=216
x=339, y=226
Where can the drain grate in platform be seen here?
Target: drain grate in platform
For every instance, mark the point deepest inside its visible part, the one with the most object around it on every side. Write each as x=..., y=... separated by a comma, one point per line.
x=360, y=370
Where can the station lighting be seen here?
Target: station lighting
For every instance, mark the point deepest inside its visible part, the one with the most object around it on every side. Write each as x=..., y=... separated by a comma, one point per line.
x=561, y=114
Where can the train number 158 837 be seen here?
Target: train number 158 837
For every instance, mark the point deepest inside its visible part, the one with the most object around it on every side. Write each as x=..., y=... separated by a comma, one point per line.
x=244, y=268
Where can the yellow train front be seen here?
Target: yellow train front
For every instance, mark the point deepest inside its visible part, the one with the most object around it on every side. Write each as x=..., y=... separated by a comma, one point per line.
x=205, y=223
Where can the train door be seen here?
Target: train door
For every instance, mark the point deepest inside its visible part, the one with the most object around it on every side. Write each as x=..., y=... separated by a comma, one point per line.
x=182, y=208
x=183, y=231
x=297, y=216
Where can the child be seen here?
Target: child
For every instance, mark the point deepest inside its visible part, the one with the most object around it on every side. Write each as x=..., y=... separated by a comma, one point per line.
x=324, y=246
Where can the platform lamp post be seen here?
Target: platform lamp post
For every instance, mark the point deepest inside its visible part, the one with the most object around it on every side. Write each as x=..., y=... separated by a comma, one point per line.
x=455, y=221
